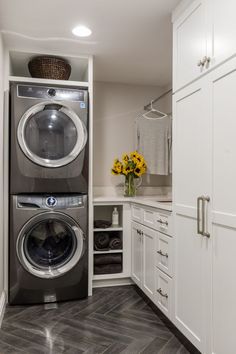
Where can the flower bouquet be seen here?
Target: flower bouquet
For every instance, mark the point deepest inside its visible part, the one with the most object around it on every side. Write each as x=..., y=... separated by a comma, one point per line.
x=132, y=166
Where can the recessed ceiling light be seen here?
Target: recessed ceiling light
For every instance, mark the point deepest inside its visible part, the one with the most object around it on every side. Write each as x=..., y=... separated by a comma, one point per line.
x=82, y=31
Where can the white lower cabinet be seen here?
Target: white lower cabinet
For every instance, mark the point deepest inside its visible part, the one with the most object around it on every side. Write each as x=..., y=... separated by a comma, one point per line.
x=143, y=258
x=163, y=292
x=136, y=254
x=152, y=258
x=164, y=253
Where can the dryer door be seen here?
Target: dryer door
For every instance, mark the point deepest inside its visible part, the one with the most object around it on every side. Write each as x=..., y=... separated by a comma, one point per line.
x=51, y=135
x=50, y=244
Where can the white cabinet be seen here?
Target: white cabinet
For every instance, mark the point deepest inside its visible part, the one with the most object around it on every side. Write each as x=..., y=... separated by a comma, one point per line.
x=223, y=29
x=204, y=271
x=163, y=292
x=204, y=36
x=190, y=43
x=164, y=253
x=148, y=239
x=143, y=258
x=223, y=87
x=152, y=255
x=192, y=179
x=137, y=213
x=136, y=254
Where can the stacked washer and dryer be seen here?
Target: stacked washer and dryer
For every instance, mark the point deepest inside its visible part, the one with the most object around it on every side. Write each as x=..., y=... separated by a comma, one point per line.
x=48, y=240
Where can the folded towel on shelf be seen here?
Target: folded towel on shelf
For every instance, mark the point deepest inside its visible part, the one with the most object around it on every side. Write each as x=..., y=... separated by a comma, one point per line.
x=115, y=243
x=101, y=241
x=102, y=224
x=112, y=258
x=108, y=268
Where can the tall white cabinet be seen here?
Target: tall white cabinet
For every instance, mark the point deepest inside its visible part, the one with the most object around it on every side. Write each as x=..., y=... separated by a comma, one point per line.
x=192, y=179
x=204, y=176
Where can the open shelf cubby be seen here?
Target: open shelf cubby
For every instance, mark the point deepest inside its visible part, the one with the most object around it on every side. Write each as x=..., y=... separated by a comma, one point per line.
x=107, y=242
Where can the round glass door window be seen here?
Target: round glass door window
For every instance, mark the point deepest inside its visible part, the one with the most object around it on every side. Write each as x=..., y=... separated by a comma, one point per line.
x=51, y=135
x=50, y=247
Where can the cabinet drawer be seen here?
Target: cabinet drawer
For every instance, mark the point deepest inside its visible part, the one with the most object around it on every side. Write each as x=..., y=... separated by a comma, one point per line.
x=149, y=218
x=164, y=253
x=163, y=292
x=164, y=223
x=137, y=213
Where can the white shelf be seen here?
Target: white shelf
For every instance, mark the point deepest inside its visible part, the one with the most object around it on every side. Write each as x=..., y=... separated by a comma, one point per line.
x=48, y=81
x=110, y=251
x=115, y=228
x=109, y=276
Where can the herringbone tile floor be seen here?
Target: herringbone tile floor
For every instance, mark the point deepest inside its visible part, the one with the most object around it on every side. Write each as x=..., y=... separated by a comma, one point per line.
x=114, y=320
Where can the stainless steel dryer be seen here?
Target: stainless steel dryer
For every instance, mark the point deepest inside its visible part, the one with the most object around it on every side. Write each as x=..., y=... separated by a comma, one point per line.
x=48, y=144
x=48, y=249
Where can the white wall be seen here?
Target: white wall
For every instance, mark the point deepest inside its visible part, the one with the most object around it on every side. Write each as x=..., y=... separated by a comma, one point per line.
x=1, y=166
x=116, y=107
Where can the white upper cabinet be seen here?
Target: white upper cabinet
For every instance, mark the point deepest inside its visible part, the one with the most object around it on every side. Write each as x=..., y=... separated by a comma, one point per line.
x=224, y=29
x=204, y=36
x=190, y=44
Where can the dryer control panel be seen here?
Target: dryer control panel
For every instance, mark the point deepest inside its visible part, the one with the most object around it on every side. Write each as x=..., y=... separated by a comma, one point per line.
x=55, y=93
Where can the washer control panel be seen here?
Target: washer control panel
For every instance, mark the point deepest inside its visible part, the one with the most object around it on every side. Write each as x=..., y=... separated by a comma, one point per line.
x=53, y=201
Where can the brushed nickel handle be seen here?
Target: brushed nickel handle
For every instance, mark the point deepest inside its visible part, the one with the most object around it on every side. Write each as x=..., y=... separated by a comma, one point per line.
x=204, y=221
x=162, y=222
x=207, y=61
x=199, y=229
x=163, y=254
x=162, y=294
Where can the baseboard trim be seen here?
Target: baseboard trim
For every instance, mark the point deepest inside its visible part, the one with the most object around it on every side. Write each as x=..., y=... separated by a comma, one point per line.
x=112, y=282
x=3, y=301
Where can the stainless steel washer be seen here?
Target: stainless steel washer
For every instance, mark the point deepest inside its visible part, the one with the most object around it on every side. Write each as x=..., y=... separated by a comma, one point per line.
x=48, y=248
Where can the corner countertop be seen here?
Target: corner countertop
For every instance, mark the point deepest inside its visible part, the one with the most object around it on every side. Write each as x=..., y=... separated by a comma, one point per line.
x=159, y=201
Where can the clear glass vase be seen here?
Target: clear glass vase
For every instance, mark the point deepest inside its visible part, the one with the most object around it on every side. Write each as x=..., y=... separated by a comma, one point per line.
x=129, y=186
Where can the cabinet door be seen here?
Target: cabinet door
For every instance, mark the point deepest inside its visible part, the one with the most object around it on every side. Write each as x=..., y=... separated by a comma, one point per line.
x=191, y=179
x=190, y=43
x=136, y=254
x=224, y=29
x=148, y=240
x=223, y=88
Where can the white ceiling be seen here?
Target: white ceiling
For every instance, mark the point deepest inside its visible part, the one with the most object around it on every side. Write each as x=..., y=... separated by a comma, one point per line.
x=131, y=39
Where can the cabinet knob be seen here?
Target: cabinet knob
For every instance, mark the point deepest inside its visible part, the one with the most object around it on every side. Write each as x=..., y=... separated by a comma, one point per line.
x=161, y=293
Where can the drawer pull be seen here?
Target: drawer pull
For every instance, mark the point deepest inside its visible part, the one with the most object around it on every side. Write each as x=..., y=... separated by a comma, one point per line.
x=162, y=222
x=163, y=254
x=161, y=293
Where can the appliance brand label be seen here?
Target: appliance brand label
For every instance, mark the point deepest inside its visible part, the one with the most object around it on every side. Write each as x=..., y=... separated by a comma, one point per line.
x=51, y=201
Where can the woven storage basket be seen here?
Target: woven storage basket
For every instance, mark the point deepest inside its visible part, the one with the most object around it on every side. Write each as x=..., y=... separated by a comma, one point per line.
x=47, y=67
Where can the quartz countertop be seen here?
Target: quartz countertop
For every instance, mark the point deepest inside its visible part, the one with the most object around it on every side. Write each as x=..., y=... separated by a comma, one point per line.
x=159, y=201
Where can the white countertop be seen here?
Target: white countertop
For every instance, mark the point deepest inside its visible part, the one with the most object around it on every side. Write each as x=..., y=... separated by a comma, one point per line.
x=158, y=201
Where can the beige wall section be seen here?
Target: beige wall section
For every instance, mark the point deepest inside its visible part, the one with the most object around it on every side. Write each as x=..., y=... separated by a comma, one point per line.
x=1, y=166
x=116, y=107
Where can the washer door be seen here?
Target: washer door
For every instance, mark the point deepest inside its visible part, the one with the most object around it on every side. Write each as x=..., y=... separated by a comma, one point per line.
x=51, y=135
x=49, y=245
